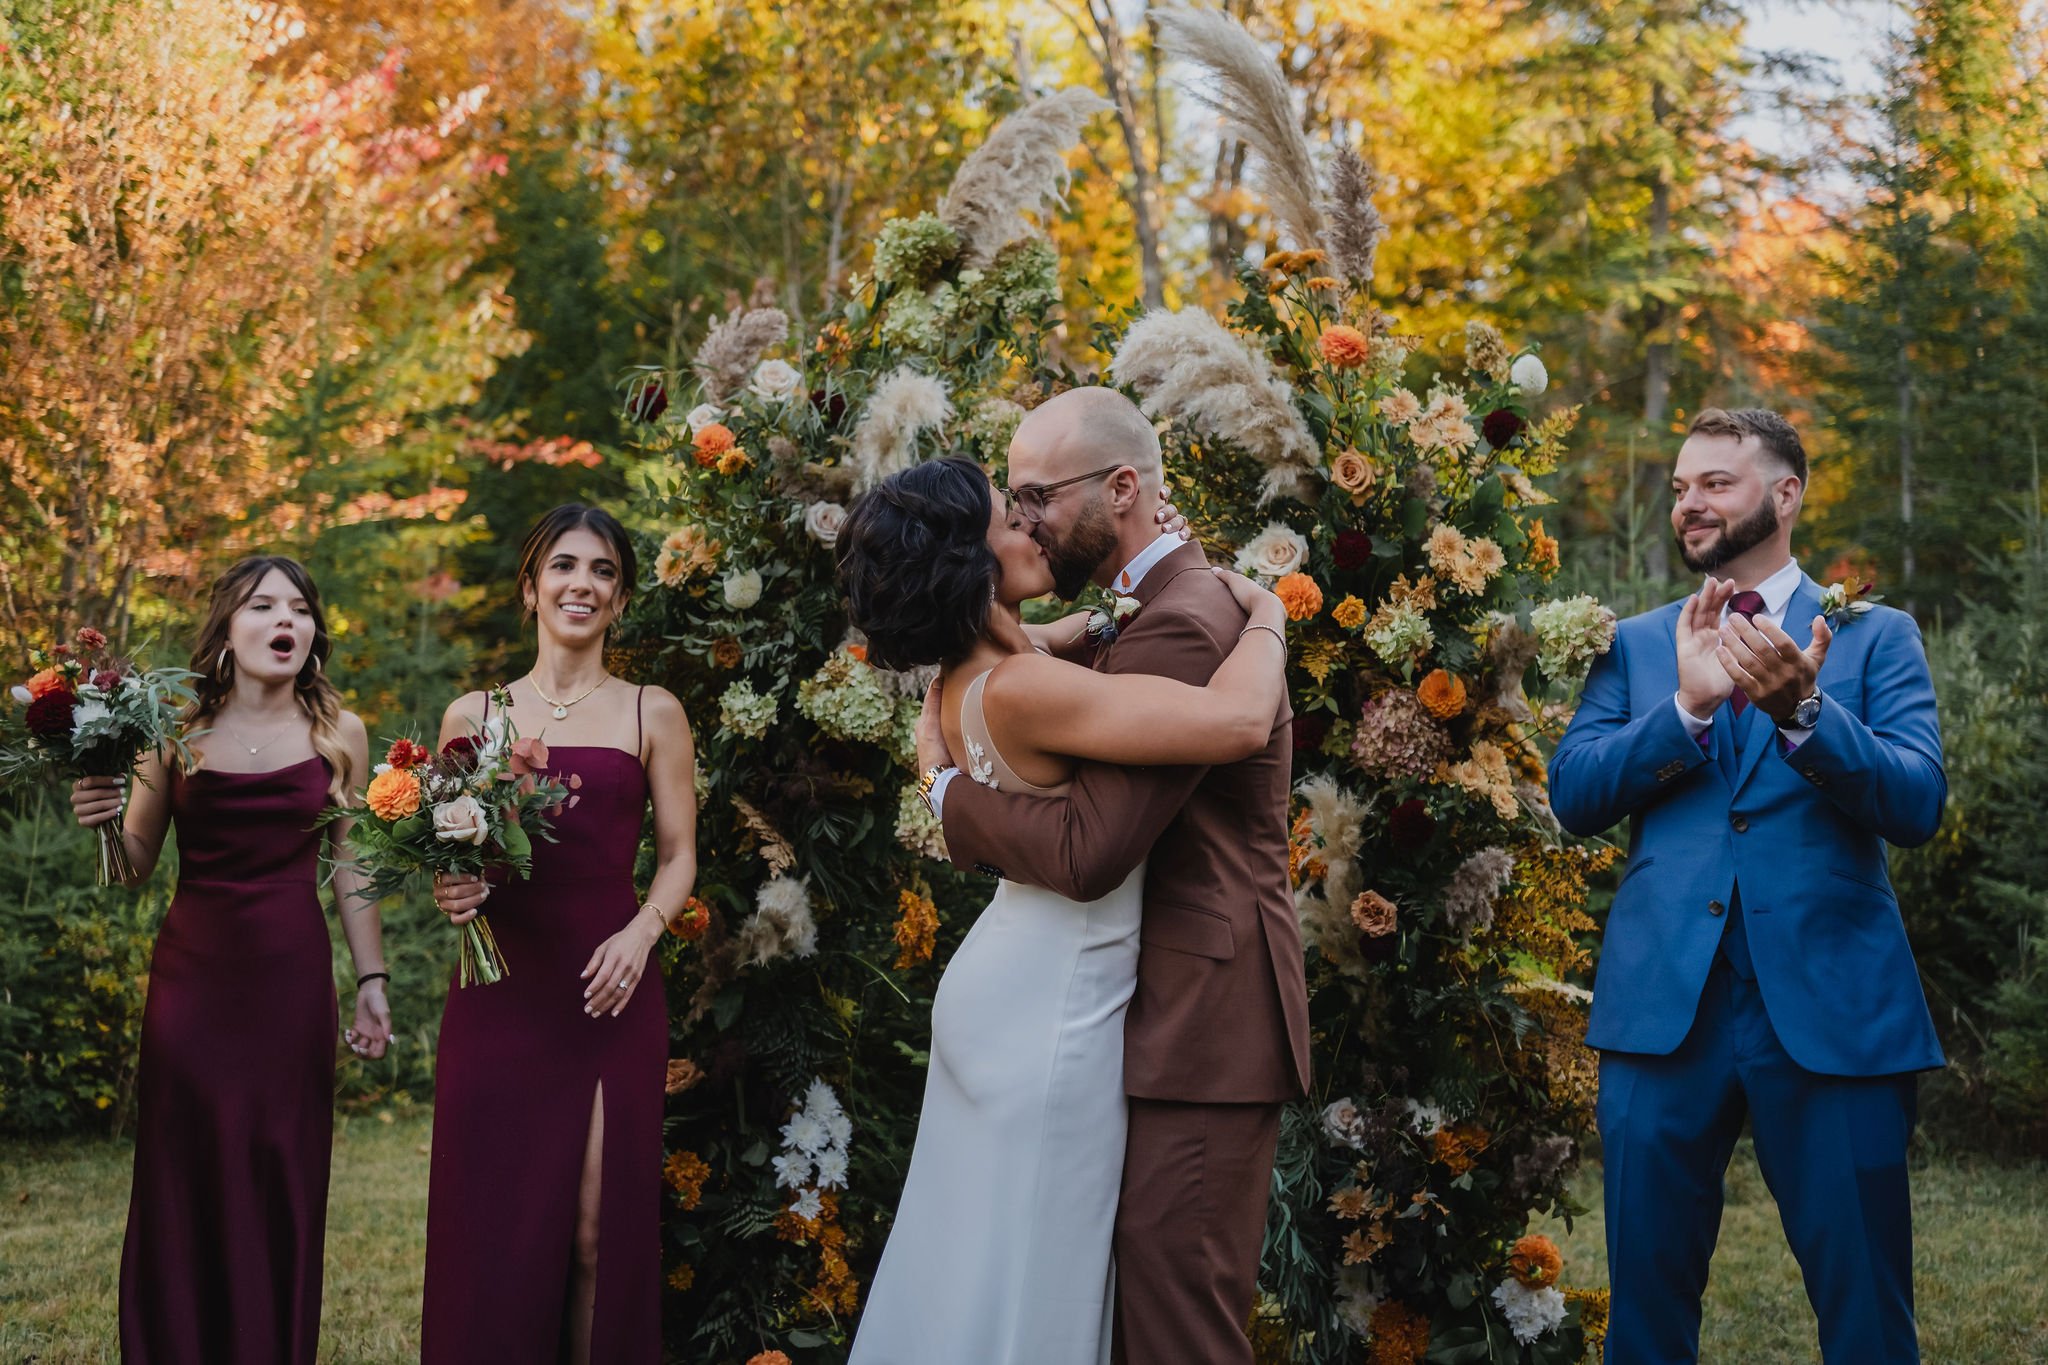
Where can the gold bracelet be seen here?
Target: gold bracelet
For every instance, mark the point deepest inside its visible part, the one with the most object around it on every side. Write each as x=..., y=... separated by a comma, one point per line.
x=1261, y=625
x=659, y=917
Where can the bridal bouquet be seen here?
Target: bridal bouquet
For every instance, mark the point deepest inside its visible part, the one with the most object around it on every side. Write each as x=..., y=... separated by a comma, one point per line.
x=89, y=713
x=474, y=807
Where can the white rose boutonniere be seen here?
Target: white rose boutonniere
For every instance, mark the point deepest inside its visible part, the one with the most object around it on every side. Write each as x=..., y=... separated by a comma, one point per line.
x=1845, y=602
x=1103, y=625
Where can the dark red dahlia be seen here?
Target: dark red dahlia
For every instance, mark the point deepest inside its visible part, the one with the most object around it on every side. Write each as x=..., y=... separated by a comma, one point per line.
x=107, y=679
x=49, y=716
x=1410, y=825
x=830, y=406
x=461, y=751
x=1310, y=731
x=648, y=403
x=1501, y=427
x=406, y=753
x=1351, y=548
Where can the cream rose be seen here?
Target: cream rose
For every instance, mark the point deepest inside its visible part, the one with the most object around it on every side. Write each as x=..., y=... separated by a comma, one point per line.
x=1273, y=553
x=461, y=821
x=775, y=380
x=1352, y=472
x=703, y=415
x=742, y=589
x=822, y=521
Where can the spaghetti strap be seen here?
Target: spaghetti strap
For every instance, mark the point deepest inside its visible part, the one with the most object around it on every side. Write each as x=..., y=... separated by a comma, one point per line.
x=638, y=693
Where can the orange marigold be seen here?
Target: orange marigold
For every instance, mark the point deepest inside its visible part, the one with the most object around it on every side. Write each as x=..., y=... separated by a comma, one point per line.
x=393, y=794
x=1442, y=694
x=1300, y=595
x=1345, y=348
x=917, y=929
x=686, y=1173
x=691, y=924
x=768, y=1358
x=682, y=1277
x=713, y=440
x=1350, y=613
x=733, y=461
x=1536, y=1261
x=1400, y=1335
x=1323, y=282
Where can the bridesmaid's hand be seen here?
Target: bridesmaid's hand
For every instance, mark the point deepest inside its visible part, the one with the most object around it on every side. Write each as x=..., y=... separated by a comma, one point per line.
x=96, y=800
x=372, y=1033
x=616, y=968
x=460, y=895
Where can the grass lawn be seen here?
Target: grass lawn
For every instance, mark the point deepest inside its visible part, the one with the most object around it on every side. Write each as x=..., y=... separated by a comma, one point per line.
x=1982, y=1239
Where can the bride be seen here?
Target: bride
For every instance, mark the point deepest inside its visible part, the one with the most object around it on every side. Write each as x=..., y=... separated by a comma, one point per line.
x=1000, y=1254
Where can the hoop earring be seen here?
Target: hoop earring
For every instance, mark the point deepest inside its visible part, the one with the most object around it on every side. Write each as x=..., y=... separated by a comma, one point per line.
x=224, y=664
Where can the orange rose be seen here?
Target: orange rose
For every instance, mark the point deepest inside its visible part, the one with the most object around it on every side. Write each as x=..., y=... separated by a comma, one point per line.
x=1352, y=472
x=1345, y=348
x=1374, y=914
x=713, y=439
x=393, y=794
x=1442, y=695
x=1300, y=595
x=1536, y=1261
x=46, y=682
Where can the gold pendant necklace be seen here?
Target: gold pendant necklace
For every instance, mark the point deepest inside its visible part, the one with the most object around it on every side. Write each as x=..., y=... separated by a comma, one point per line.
x=562, y=707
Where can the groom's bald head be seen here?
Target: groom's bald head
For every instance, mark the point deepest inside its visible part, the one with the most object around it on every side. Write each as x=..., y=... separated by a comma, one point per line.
x=1083, y=430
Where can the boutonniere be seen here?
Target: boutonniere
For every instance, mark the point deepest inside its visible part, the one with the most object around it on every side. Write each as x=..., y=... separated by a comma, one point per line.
x=1105, y=623
x=1842, y=603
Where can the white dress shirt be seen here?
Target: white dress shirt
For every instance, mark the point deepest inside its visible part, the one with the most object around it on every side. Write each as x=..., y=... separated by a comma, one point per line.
x=1777, y=591
x=1124, y=584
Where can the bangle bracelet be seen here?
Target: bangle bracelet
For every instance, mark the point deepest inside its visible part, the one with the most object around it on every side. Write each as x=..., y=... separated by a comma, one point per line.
x=1261, y=625
x=372, y=976
x=659, y=917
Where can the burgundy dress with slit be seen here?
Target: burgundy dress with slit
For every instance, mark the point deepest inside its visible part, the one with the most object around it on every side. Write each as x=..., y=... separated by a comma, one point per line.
x=519, y=1064
x=235, y=1086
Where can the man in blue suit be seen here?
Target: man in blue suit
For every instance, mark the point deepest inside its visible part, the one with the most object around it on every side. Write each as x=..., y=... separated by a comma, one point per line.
x=1754, y=961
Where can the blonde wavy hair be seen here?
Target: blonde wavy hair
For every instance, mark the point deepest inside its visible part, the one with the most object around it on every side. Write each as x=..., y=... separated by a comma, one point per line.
x=316, y=693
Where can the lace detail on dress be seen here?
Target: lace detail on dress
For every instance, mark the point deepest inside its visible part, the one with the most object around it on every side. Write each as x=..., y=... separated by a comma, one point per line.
x=978, y=766
x=985, y=763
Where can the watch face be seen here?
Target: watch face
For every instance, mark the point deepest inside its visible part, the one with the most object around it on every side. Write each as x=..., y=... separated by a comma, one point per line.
x=1807, y=713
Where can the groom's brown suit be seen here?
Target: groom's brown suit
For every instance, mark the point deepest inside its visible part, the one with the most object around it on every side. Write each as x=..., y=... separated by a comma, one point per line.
x=1217, y=1034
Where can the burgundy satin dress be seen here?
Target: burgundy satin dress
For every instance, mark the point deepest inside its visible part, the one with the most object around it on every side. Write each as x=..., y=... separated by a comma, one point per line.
x=518, y=1065
x=235, y=1091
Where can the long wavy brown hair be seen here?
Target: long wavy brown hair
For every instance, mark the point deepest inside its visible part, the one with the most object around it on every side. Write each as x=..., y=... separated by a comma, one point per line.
x=316, y=693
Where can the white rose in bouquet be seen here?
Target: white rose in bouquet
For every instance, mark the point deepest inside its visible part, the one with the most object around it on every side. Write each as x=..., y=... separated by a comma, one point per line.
x=1529, y=376
x=775, y=380
x=461, y=820
x=742, y=589
x=822, y=521
x=703, y=415
x=1273, y=553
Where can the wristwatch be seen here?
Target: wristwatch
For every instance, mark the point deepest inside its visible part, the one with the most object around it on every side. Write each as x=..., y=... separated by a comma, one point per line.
x=924, y=785
x=1806, y=715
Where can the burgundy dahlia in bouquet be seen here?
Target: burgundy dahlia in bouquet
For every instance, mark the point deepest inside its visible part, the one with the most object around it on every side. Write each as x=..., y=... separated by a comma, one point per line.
x=476, y=807
x=89, y=713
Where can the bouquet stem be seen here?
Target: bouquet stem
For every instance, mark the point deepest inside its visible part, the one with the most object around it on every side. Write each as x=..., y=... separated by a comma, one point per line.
x=481, y=960
x=114, y=867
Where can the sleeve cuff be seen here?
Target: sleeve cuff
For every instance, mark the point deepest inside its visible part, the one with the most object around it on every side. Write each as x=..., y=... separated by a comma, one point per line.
x=1694, y=726
x=1793, y=736
x=937, y=798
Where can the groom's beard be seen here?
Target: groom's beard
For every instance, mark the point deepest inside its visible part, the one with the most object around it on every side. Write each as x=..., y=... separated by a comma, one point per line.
x=1734, y=542
x=1076, y=557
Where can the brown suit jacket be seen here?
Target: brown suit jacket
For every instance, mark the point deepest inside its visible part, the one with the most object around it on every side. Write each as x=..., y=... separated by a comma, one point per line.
x=1221, y=1010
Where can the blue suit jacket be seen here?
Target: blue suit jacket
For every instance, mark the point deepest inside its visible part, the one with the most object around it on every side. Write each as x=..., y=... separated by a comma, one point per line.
x=1802, y=834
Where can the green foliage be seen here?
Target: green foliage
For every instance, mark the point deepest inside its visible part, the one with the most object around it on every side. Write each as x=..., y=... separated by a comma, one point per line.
x=1976, y=898
x=74, y=961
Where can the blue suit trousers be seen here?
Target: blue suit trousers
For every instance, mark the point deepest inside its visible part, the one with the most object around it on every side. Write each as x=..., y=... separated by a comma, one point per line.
x=1833, y=1152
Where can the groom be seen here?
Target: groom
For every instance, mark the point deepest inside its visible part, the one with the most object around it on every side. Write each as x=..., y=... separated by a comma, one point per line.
x=1754, y=961
x=1217, y=1034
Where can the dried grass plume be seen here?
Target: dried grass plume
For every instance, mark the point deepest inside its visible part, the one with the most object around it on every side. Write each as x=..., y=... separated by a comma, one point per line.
x=1355, y=228
x=904, y=404
x=1257, y=109
x=1020, y=169
x=733, y=346
x=1190, y=368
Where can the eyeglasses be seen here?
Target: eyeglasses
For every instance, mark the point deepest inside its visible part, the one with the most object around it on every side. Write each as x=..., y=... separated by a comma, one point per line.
x=1030, y=500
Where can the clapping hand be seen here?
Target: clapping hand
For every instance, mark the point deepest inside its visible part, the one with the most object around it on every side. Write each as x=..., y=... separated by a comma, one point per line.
x=1703, y=679
x=1769, y=665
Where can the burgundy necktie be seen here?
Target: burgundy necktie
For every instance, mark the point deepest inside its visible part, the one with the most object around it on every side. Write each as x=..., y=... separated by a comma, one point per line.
x=1746, y=605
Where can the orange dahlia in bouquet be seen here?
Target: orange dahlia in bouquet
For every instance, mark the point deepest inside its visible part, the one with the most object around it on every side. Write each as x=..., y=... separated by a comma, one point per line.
x=475, y=807
x=87, y=712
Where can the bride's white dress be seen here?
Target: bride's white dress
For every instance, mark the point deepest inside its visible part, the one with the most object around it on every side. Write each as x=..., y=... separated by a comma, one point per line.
x=1000, y=1254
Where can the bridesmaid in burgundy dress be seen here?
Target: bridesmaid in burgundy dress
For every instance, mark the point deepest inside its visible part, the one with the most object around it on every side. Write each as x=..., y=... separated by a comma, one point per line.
x=544, y=1206
x=222, y=1262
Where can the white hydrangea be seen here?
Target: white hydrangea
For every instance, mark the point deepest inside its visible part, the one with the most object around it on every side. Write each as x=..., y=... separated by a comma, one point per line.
x=917, y=829
x=1531, y=1313
x=1573, y=631
x=746, y=712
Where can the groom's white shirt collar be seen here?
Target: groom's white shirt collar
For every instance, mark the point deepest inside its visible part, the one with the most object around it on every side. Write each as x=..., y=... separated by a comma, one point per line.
x=1126, y=582
x=1777, y=591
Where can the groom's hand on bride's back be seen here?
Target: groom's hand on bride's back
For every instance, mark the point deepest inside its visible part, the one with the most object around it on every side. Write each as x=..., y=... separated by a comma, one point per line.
x=931, y=735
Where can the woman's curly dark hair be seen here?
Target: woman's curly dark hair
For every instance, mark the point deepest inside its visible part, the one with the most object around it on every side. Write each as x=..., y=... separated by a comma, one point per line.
x=916, y=565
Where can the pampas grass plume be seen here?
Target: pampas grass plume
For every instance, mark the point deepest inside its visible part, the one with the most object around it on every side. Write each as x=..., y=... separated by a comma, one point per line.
x=1190, y=368
x=732, y=347
x=905, y=403
x=1020, y=169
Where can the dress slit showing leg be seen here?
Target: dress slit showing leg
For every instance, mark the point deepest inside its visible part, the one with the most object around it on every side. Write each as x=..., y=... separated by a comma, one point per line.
x=592, y=1169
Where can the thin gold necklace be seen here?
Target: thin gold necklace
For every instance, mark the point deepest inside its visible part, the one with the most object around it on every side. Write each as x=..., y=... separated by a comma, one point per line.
x=562, y=707
x=258, y=748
